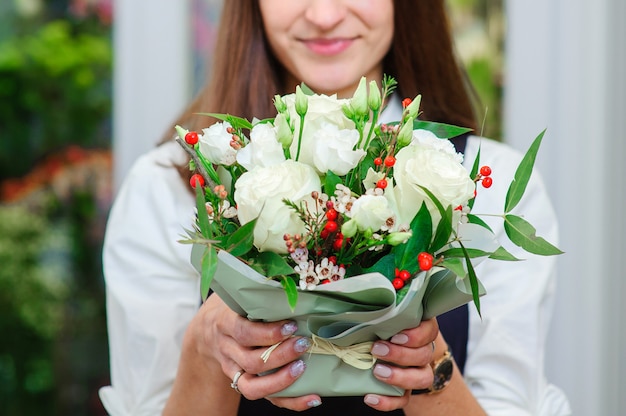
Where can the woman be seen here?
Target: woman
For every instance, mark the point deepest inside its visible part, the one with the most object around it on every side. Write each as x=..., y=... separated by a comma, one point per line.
x=170, y=355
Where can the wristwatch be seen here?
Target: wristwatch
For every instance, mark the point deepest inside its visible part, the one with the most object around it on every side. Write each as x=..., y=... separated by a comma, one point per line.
x=442, y=371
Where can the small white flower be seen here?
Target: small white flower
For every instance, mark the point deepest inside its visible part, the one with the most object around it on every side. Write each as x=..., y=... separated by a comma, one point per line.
x=338, y=273
x=325, y=269
x=300, y=255
x=308, y=277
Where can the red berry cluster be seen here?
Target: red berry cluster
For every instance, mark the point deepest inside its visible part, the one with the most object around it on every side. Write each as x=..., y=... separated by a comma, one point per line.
x=331, y=227
x=389, y=162
x=485, y=177
x=425, y=262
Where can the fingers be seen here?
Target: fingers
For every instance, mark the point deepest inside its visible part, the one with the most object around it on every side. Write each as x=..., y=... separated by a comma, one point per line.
x=410, y=348
x=408, y=378
x=255, y=387
x=297, y=404
x=387, y=403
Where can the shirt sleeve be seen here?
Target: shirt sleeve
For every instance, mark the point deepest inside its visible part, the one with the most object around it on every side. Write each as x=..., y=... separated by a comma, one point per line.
x=505, y=364
x=151, y=288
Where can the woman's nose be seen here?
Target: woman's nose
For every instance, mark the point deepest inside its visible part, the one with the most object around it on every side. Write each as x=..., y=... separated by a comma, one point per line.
x=326, y=14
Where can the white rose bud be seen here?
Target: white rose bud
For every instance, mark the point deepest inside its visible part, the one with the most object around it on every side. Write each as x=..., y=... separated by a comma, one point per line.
x=359, y=99
x=406, y=133
x=302, y=102
x=414, y=107
x=283, y=130
x=279, y=103
x=349, y=228
x=374, y=100
x=399, y=237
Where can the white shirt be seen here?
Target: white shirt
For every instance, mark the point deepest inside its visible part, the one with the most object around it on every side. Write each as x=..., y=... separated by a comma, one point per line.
x=153, y=291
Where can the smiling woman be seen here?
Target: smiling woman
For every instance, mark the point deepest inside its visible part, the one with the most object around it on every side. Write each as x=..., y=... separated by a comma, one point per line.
x=330, y=44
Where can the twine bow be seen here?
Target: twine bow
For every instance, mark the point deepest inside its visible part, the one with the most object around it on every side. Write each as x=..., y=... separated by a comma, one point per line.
x=357, y=355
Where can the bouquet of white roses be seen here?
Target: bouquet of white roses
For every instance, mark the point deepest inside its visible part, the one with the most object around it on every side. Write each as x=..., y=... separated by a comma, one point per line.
x=354, y=229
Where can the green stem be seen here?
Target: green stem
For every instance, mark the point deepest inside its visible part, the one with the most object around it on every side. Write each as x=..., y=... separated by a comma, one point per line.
x=300, y=137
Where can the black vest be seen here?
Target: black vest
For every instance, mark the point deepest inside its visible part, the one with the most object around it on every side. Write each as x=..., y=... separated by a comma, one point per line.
x=453, y=325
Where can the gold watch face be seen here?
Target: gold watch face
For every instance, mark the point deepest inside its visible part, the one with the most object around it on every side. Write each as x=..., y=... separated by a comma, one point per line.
x=443, y=374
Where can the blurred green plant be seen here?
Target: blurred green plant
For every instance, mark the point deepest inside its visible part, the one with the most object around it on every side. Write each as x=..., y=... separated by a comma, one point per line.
x=31, y=312
x=479, y=29
x=54, y=90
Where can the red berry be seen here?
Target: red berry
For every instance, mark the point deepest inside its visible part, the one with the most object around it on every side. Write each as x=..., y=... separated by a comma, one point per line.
x=405, y=275
x=397, y=283
x=397, y=272
x=196, y=178
x=191, y=138
x=485, y=171
x=332, y=259
x=425, y=260
x=338, y=244
x=406, y=102
x=487, y=181
x=324, y=234
x=331, y=226
x=382, y=184
x=378, y=161
x=331, y=214
x=459, y=208
x=390, y=161
x=330, y=205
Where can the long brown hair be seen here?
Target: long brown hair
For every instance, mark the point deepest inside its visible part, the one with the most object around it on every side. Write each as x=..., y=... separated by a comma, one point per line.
x=245, y=76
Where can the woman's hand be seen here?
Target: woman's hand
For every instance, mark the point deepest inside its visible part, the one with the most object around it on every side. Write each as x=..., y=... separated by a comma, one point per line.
x=219, y=340
x=404, y=361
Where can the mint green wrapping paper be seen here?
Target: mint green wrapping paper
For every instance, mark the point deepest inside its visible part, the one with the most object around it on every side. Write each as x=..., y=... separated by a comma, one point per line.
x=351, y=311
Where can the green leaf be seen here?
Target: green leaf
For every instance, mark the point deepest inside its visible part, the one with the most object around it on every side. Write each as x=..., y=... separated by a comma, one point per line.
x=523, y=234
x=241, y=241
x=462, y=252
x=441, y=130
x=502, y=254
x=330, y=183
x=274, y=264
x=291, y=290
x=455, y=265
x=422, y=229
x=474, y=219
x=235, y=122
x=473, y=281
x=473, y=173
x=203, y=216
x=385, y=265
x=209, y=265
x=306, y=89
x=444, y=228
x=522, y=175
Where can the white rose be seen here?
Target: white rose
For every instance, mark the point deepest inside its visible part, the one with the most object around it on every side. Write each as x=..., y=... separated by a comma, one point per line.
x=428, y=138
x=259, y=194
x=329, y=148
x=325, y=107
x=433, y=168
x=215, y=144
x=263, y=150
x=371, y=212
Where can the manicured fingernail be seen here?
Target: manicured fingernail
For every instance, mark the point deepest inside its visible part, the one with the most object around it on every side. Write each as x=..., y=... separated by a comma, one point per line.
x=372, y=400
x=380, y=350
x=314, y=403
x=302, y=345
x=382, y=371
x=399, y=339
x=289, y=328
x=297, y=368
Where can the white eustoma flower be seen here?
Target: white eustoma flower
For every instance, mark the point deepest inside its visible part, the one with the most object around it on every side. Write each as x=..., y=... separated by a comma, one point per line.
x=371, y=212
x=259, y=193
x=215, y=144
x=263, y=150
x=430, y=164
x=330, y=149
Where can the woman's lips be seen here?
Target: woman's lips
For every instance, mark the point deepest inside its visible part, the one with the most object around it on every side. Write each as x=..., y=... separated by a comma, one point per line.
x=328, y=47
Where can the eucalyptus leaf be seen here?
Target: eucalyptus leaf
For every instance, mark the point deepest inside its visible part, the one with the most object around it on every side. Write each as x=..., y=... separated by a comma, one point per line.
x=523, y=234
x=462, y=252
x=522, y=175
x=455, y=265
x=475, y=219
x=209, y=264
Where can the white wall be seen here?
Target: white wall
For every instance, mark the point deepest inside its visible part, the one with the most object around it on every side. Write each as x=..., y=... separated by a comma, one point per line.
x=565, y=71
x=152, y=75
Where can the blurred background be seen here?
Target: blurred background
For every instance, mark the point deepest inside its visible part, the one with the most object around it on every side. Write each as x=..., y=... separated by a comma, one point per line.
x=86, y=86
